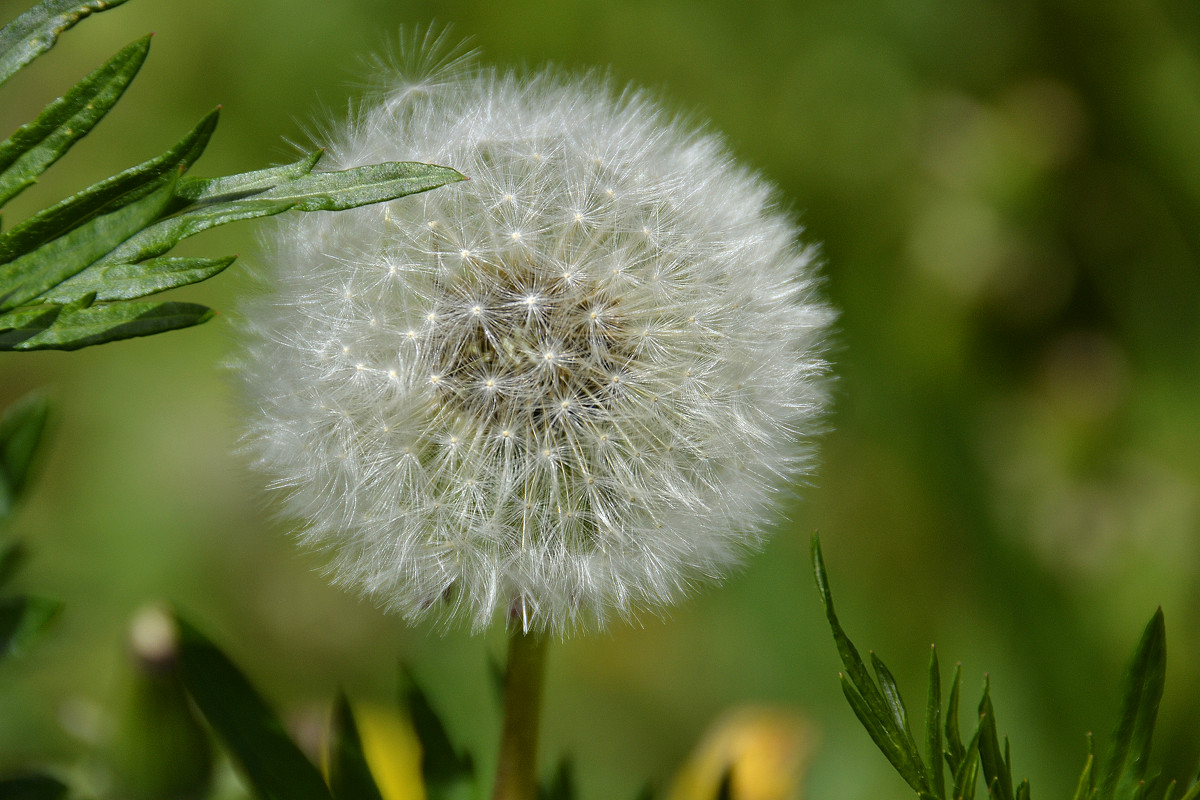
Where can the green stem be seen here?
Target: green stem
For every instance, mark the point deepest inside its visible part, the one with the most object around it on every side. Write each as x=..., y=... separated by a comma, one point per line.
x=516, y=772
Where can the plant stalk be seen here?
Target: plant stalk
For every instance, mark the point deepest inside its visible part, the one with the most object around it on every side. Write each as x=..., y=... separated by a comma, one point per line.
x=516, y=772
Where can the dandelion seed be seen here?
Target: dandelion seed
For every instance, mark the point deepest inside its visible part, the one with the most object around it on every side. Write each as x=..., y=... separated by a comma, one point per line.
x=545, y=449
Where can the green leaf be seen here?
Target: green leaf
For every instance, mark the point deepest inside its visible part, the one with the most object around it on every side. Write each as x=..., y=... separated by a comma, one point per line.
x=22, y=427
x=321, y=191
x=111, y=195
x=54, y=262
x=883, y=736
x=82, y=324
x=933, y=726
x=956, y=753
x=131, y=281
x=442, y=767
x=198, y=191
x=22, y=619
x=968, y=771
x=1083, y=789
x=562, y=786
x=996, y=773
x=1129, y=751
x=349, y=776
x=270, y=760
x=33, y=787
x=12, y=556
x=34, y=147
x=35, y=31
x=1193, y=793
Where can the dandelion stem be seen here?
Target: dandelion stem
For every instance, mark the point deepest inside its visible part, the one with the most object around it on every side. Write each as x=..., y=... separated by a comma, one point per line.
x=516, y=772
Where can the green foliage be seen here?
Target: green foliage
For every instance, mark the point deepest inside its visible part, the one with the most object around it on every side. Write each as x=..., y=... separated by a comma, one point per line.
x=878, y=706
x=448, y=773
x=349, y=774
x=72, y=275
x=32, y=787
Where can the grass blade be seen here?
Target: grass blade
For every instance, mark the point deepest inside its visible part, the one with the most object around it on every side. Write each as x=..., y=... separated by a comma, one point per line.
x=270, y=760
x=36, y=31
x=34, y=147
x=1129, y=751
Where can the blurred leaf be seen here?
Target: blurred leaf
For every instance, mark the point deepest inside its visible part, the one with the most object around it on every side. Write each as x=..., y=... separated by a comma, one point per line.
x=349, y=775
x=562, y=786
x=725, y=789
x=81, y=324
x=1083, y=789
x=21, y=429
x=445, y=771
x=322, y=191
x=111, y=195
x=933, y=726
x=31, y=274
x=1129, y=752
x=270, y=760
x=130, y=281
x=22, y=619
x=12, y=556
x=32, y=787
x=27, y=153
x=997, y=776
x=35, y=31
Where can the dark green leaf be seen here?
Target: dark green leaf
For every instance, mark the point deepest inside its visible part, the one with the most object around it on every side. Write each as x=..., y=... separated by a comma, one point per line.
x=34, y=147
x=968, y=771
x=1169, y=793
x=900, y=729
x=21, y=429
x=956, y=753
x=12, y=556
x=35, y=31
x=321, y=191
x=32, y=787
x=1023, y=790
x=25, y=278
x=1193, y=793
x=22, y=619
x=203, y=191
x=349, y=776
x=933, y=726
x=883, y=737
x=272, y=763
x=996, y=774
x=111, y=195
x=647, y=793
x=130, y=281
x=562, y=787
x=80, y=325
x=442, y=766
x=1130, y=748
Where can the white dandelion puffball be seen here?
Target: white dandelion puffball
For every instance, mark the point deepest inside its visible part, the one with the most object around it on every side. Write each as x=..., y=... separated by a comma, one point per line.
x=567, y=389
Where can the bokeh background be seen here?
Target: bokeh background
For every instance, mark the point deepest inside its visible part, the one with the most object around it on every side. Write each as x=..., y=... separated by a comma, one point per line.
x=1007, y=193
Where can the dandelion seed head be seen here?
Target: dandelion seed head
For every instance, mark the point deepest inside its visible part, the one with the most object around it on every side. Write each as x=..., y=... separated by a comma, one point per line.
x=585, y=378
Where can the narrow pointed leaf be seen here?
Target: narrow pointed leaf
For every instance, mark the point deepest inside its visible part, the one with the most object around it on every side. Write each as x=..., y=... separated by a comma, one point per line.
x=441, y=764
x=33, y=787
x=22, y=619
x=18, y=325
x=203, y=191
x=1193, y=793
x=54, y=262
x=349, y=776
x=272, y=763
x=1023, y=790
x=893, y=751
x=35, y=31
x=131, y=281
x=76, y=327
x=955, y=751
x=965, y=777
x=933, y=727
x=321, y=191
x=34, y=147
x=22, y=427
x=1130, y=748
x=110, y=195
x=900, y=729
x=996, y=775
x=1169, y=793
x=12, y=556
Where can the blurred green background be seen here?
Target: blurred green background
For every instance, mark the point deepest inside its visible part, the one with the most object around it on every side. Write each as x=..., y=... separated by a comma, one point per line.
x=1008, y=197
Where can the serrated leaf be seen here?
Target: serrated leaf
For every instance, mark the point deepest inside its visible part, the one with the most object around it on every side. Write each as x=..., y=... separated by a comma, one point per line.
x=22, y=427
x=35, y=31
x=32, y=787
x=349, y=775
x=272, y=763
x=82, y=325
x=996, y=774
x=111, y=195
x=933, y=726
x=1129, y=751
x=34, y=147
x=321, y=191
x=28, y=276
x=22, y=619
x=442, y=766
x=131, y=281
